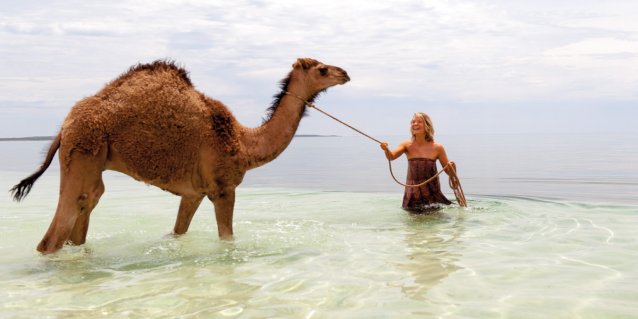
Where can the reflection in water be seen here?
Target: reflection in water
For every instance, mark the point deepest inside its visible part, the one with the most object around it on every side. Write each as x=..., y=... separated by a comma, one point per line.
x=433, y=244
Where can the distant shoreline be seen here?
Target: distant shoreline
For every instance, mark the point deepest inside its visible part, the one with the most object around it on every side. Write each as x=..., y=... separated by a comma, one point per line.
x=50, y=138
x=28, y=138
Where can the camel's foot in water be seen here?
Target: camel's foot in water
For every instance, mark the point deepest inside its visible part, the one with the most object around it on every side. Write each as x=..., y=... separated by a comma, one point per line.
x=47, y=246
x=228, y=237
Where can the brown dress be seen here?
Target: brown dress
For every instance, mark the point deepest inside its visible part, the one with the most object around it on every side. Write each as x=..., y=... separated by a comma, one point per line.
x=422, y=197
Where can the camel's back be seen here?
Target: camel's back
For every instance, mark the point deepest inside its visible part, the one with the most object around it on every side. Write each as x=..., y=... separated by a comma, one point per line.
x=151, y=116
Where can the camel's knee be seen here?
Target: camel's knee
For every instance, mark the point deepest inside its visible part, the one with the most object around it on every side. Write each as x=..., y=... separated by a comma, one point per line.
x=87, y=200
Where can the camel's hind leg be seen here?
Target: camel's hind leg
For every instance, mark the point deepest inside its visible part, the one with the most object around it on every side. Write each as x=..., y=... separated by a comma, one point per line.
x=81, y=227
x=80, y=188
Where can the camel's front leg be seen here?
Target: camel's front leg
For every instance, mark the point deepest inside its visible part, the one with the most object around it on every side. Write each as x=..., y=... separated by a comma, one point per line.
x=224, y=202
x=187, y=208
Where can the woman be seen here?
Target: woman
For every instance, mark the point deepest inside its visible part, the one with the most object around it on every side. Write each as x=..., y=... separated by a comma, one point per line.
x=422, y=153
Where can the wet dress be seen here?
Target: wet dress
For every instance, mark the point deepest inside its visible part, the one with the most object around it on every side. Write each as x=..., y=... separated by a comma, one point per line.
x=422, y=197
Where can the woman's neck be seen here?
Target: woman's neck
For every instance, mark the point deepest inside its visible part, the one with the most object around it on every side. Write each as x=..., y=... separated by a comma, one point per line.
x=420, y=139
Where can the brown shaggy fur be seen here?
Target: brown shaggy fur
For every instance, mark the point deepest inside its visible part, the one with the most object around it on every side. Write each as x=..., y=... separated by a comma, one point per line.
x=152, y=115
x=151, y=124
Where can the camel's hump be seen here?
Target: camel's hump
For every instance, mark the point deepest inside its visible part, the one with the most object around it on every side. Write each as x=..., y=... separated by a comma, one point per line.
x=157, y=66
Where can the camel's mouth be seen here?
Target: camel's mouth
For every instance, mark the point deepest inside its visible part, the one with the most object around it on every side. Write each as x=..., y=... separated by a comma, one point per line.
x=341, y=75
x=344, y=78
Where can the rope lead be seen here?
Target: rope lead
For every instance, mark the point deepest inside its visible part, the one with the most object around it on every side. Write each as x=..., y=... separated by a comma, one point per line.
x=454, y=182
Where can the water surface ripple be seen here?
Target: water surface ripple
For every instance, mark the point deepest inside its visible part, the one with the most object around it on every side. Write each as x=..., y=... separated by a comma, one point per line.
x=550, y=233
x=307, y=254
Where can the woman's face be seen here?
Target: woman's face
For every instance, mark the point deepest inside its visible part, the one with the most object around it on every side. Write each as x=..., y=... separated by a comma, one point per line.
x=416, y=125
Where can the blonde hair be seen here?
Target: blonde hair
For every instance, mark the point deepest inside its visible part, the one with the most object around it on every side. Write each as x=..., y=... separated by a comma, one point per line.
x=427, y=123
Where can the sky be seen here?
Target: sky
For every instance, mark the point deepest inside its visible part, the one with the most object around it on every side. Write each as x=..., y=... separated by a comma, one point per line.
x=476, y=67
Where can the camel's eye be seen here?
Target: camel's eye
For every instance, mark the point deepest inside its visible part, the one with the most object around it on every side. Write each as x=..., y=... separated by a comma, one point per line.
x=323, y=71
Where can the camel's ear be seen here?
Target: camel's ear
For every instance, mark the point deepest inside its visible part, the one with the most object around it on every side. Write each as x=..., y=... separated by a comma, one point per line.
x=301, y=63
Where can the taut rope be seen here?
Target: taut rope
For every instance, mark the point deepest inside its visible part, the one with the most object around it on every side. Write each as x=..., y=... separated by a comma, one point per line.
x=454, y=182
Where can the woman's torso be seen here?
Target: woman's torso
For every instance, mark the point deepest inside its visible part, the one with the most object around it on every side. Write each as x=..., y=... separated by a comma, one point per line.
x=416, y=149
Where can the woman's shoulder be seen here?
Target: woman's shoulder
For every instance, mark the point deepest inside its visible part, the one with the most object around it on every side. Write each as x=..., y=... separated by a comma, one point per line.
x=405, y=143
x=438, y=146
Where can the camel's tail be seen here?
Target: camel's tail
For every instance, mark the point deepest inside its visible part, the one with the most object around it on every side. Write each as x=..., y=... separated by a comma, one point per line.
x=24, y=187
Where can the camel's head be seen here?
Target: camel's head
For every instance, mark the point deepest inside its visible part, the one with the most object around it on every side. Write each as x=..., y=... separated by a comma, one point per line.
x=317, y=76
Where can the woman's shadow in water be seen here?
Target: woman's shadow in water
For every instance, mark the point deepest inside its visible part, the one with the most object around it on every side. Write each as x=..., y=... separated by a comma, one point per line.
x=434, y=245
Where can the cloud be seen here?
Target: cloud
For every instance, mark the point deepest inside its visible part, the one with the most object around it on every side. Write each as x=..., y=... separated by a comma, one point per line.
x=597, y=47
x=405, y=52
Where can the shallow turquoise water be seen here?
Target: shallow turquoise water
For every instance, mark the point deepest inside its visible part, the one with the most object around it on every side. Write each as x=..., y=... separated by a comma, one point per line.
x=326, y=252
x=312, y=254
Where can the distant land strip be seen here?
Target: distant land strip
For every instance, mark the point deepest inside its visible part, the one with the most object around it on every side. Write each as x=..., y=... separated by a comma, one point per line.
x=50, y=138
x=28, y=138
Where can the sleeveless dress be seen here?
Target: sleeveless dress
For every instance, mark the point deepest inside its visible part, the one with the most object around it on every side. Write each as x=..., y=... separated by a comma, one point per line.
x=422, y=197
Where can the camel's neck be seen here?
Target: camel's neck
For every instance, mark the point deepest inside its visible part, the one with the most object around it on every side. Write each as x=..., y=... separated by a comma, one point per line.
x=265, y=143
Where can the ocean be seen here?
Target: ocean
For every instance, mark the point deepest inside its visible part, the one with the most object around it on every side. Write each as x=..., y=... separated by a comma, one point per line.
x=320, y=233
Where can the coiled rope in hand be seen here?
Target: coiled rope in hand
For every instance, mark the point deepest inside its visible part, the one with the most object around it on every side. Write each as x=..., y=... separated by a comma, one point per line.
x=450, y=168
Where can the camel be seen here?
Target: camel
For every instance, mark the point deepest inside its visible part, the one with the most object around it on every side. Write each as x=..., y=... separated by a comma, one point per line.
x=153, y=125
